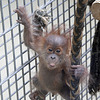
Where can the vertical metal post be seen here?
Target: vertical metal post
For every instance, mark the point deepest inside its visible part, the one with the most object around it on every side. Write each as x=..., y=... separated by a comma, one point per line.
x=6, y=57
x=58, y=13
x=22, y=62
x=2, y=17
x=63, y=7
x=3, y=29
x=77, y=44
x=69, y=13
x=51, y=15
x=29, y=55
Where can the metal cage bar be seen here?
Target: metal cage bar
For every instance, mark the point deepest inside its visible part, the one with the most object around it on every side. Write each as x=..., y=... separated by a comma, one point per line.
x=17, y=63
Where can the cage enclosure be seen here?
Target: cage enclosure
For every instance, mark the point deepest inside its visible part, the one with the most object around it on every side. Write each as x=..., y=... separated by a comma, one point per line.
x=18, y=64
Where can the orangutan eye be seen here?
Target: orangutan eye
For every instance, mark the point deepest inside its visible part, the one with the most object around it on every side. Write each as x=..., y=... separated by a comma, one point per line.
x=58, y=50
x=50, y=50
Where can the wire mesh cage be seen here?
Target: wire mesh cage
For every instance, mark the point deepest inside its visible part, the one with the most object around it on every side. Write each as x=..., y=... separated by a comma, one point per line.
x=18, y=64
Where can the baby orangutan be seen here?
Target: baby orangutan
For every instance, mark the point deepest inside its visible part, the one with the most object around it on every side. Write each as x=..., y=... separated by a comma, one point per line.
x=55, y=68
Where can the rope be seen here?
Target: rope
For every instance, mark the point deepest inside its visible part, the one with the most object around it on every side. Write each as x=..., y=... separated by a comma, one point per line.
x=77, y=44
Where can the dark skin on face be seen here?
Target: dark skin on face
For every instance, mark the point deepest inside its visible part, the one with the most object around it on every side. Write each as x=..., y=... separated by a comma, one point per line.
x=55, y=68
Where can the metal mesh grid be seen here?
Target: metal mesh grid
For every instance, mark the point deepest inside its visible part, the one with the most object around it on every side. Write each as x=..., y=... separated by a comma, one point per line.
x=17, y=63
